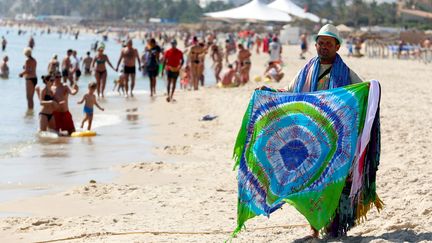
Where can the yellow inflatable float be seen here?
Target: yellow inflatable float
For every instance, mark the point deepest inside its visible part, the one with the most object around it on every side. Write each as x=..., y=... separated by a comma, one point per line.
x=83, y=134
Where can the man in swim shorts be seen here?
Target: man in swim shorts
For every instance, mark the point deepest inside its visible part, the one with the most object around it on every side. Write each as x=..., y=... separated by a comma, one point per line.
x=62, y=116
x=87, y=61
x=66, y=67
x=129, y=54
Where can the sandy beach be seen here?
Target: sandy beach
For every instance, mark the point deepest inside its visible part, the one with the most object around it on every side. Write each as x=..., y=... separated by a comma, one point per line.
x=189, y=192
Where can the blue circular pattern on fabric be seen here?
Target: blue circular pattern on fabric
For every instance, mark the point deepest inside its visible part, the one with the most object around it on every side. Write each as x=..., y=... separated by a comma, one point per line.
x=293, y=154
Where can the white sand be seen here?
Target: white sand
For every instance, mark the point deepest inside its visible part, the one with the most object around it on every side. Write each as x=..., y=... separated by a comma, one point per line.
x=191, y=187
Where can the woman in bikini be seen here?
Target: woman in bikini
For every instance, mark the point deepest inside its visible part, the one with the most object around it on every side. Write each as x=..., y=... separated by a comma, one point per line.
x=100, y=71
x=48, y=105
x=243, y=64
x=195, y=58
x=29, y=74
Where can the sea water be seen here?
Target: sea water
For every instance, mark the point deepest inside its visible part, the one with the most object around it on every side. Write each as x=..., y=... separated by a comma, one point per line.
x=33, y=165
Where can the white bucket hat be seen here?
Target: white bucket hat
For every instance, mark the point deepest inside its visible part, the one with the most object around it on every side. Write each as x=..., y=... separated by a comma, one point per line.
x=329, y=30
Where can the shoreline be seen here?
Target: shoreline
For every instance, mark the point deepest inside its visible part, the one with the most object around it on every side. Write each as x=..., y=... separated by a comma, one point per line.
x=190, y=187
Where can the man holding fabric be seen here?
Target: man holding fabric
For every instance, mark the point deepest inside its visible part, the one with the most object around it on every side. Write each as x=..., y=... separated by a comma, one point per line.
x=326, y=71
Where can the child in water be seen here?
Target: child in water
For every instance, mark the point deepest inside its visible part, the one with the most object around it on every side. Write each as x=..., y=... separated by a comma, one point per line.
x=90, y=101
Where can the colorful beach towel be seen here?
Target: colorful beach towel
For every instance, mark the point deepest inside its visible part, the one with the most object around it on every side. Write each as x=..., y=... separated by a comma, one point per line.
x=304, y=148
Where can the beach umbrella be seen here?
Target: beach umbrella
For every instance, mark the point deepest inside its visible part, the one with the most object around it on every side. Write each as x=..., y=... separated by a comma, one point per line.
x=294, y=10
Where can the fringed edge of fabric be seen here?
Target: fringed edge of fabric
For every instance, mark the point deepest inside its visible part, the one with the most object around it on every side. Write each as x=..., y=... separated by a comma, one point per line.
x=242, y=135
x=363, y=209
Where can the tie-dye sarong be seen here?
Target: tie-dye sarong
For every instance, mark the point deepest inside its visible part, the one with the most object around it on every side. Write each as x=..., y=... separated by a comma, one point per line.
x=301, y=148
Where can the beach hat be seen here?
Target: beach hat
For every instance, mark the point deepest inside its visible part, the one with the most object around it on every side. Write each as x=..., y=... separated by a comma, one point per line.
x=27, y=51
x=329, y=30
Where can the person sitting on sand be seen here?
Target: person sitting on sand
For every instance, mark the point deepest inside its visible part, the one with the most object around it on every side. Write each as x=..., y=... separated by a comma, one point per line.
x=63, y=118
x=90, y=102
x=229, y=77
x=4, y=68
x=48, y=105
x=274, y=72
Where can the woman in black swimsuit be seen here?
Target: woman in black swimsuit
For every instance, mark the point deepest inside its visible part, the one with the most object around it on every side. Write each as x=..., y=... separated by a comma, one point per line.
x=48, y=105
x=29, y=73
x=100, y=70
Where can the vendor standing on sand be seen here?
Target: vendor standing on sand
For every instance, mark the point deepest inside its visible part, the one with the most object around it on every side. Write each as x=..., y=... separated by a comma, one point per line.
x=330, y=72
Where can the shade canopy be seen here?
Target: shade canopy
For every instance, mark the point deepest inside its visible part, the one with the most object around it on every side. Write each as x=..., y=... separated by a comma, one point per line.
x=344, y=28
x=255, y=10
x=294, y=10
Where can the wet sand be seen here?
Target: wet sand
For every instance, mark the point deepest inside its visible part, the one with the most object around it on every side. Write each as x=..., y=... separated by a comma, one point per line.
x=188, y=191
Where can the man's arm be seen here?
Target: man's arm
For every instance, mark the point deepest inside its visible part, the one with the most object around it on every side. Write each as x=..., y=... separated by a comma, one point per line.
x=293, y=83
x=119, y=61
x=138, y=58
x=355, y=79
x=74, y=91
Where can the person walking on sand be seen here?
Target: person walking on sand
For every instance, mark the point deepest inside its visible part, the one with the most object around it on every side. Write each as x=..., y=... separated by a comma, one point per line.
x=173, y=61
x=90, y=102
x=86, y=64
x=243, y=63
x=331, y=72
x=30, y=77
x=195, y=56
x=129, y=55
x=152, y=64
x=217, y=57
x=4, y=68
x=303, y=45
x=67, y=67
x=100, y=70
x=62, y=116
x=275, y=50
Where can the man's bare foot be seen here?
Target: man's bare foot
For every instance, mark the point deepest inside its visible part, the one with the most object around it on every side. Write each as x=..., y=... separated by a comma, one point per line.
x=168, y=99
x=132, y=94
